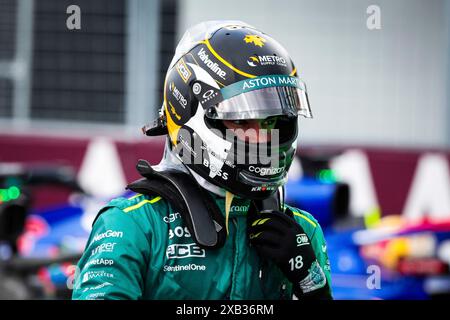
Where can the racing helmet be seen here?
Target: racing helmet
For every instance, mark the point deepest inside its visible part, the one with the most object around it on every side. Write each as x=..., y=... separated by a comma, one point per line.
x=230, y=71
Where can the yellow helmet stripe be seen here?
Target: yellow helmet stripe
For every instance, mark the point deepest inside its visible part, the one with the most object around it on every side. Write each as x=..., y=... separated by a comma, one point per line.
x=225, y=62
x=172, y=127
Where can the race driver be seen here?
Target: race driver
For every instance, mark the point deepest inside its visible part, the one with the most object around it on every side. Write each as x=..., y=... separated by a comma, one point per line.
x=229, y=90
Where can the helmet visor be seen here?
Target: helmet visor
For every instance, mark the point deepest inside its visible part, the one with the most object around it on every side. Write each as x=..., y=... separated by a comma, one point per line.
x=258, y=98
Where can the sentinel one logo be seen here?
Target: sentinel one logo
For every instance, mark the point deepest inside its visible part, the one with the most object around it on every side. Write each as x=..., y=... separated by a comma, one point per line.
x=189, y=267
x=213, y=66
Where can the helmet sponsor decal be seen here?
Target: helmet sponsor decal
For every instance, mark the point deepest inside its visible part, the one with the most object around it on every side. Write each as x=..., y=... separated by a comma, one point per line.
x=259, y=83
x=187, y=146
x=197, y=88
x=221, y=146
x=266, y=60
x=174, y=111
x=183, y=70
x=253, y=61
x=206, y=94
x=215, y=155
x=216, y=171
x=177, y=95
x=264, y=188
x=255, y=39
x=213, y=66
x=266, y=171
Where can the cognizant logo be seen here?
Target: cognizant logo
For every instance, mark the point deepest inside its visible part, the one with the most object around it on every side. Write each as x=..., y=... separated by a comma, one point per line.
x=171, y=217
x=265, y=171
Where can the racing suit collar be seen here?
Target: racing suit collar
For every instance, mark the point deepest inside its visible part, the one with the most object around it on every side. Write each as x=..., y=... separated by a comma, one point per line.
x=239, y=206
x=170, y=160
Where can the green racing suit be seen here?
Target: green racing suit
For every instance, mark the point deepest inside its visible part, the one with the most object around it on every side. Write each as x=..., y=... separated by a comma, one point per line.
x=139, y=248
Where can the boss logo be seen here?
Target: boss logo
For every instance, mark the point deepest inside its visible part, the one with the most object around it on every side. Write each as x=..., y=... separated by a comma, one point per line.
x=223, y=175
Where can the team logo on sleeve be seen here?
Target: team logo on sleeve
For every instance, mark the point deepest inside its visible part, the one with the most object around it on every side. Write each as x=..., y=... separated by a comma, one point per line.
x=302, y=239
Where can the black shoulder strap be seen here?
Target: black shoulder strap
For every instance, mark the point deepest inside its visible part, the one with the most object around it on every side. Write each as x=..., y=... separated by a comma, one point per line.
x=198, y=209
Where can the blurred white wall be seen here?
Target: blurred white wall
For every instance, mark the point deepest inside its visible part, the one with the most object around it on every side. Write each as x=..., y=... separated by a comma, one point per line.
x=384, y=86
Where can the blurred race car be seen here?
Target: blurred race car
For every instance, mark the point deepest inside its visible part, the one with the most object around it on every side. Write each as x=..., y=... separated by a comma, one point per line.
x=372, y=257
x=39, y=247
